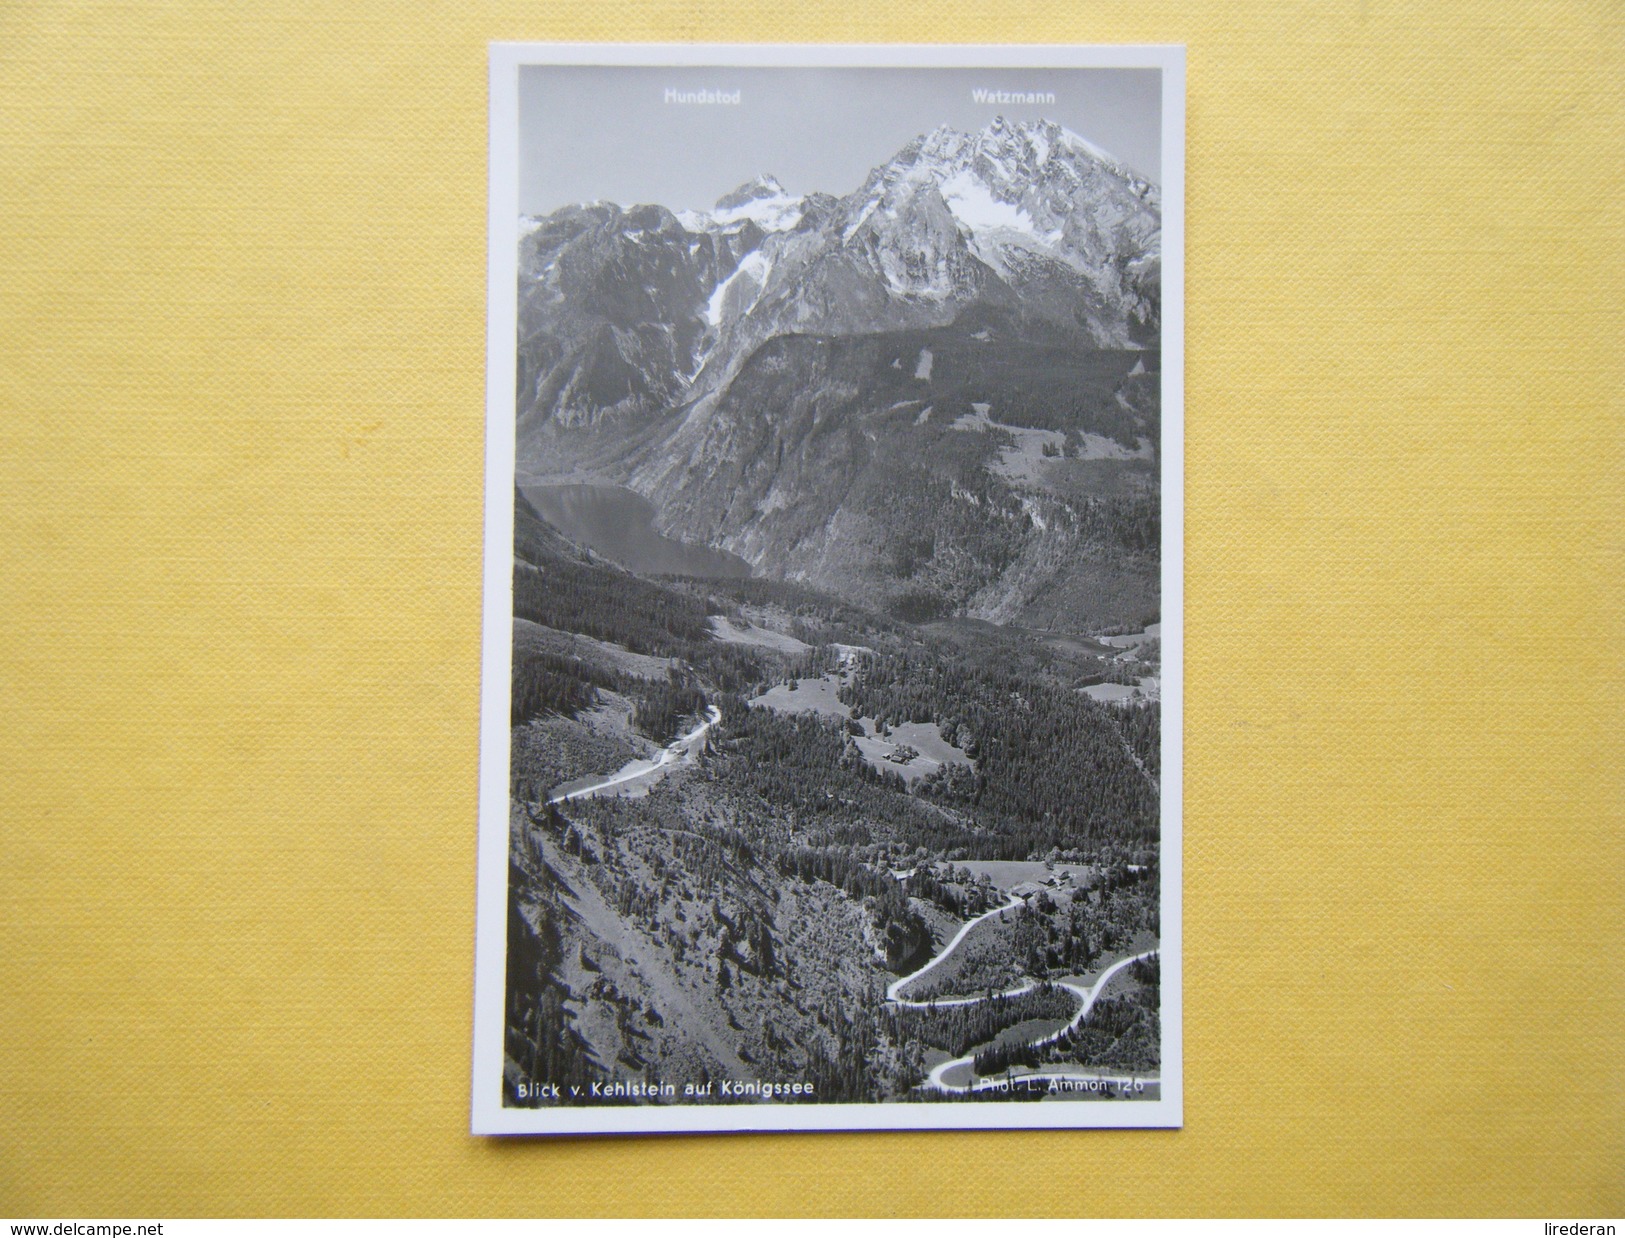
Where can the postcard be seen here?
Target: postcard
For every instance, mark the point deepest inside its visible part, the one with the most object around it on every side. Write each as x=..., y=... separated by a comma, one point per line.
x=830, y=746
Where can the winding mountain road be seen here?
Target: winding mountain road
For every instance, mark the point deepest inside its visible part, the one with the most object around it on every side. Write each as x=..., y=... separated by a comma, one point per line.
x=681, y=749
x=896, y=986
x=1086, y=1002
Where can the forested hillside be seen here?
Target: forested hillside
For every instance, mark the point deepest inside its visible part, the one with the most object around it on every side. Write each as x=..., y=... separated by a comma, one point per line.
x=738, y=912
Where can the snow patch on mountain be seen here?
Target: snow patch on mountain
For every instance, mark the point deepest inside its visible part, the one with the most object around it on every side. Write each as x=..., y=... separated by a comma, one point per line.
x=975, y=206
x=770, y=215
x=861, y=218
x=747, y=280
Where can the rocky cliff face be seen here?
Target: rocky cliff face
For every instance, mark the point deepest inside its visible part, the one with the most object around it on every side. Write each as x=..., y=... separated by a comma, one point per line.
x=923, y=391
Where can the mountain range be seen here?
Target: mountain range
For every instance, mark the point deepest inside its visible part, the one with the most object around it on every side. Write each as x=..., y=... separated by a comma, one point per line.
x=938, y=394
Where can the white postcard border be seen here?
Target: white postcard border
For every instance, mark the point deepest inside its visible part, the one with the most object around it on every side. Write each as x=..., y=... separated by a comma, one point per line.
x=489, y=1116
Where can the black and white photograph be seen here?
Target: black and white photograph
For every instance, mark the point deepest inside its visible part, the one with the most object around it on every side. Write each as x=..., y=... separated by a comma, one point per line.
x=830, y=733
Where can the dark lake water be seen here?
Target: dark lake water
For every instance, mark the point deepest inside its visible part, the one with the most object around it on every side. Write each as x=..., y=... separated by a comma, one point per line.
x=619, y=524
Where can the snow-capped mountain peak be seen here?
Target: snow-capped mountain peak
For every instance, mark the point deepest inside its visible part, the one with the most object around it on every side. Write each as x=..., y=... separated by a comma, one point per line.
x=1010, y=155
x=760, y=200
x=1018, y=198
x=758, y=188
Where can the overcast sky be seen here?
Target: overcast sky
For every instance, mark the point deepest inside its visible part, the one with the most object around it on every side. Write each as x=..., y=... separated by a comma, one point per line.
x=604, y=132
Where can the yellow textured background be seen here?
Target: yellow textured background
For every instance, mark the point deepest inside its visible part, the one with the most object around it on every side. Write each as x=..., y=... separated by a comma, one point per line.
x=242, y=281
